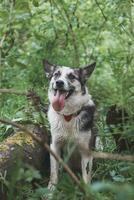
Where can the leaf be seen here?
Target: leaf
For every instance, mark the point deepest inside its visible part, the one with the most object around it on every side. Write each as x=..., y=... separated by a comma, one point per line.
x=119, y=178
x=36, y=3
x=22, y=16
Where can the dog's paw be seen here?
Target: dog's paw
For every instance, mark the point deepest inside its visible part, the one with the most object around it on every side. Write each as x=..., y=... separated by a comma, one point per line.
x=51, y=186
x=49, y=194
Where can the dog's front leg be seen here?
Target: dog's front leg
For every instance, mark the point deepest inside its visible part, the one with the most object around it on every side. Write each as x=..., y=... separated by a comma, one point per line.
x=86, y=164
x=54, y=166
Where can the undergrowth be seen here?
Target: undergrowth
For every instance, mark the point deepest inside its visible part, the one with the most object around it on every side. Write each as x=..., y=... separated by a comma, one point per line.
x=71, y=33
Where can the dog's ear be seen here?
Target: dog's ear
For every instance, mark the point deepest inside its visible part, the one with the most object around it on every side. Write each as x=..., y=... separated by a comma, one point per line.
x=86, y=72
x=48, y=68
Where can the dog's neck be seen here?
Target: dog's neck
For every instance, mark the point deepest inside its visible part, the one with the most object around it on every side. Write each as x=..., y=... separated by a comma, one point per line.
x=69, y=117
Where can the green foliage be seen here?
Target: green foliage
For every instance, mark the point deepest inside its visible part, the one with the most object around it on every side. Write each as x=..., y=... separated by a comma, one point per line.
x=72, y=33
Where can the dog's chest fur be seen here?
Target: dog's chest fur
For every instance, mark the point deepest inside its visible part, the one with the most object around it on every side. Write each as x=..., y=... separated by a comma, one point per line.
x=61, y=127
x=77, y=129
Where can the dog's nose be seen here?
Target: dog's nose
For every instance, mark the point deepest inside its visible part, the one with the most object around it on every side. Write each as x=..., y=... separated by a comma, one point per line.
x=59, y=84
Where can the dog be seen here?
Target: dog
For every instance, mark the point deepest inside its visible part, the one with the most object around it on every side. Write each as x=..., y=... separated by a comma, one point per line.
x=71, y=115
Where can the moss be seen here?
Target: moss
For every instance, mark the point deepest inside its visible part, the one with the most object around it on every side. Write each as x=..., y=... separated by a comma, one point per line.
x=3, y=159
x=3, y=148
x=20, y=138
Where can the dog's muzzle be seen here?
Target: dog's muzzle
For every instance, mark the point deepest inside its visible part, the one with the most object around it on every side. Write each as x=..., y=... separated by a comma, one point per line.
x=61, y=94
x=59, y=84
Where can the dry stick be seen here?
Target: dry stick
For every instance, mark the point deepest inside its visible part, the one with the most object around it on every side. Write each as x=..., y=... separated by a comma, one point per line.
x=112, y=156
x=46, y=146
x=12, y=91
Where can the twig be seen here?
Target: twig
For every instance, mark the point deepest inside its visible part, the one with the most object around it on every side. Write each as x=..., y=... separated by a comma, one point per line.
x=46, y=146
x=52, y=17
x=73, y=36
x=2, y=40
x=101, y=10
x=31, y=95
x=70, y=28
x=97, y=39
x=12, y=91
x=112, y=156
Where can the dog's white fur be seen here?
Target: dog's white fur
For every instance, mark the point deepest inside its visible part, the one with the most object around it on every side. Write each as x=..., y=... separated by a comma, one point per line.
x=62, y=130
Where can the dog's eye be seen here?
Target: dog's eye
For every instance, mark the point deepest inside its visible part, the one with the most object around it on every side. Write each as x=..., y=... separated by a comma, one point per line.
x=57, y=74
x=71, y=77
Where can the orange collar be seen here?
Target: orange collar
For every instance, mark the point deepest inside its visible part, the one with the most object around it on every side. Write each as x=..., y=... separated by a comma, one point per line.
x=68, y=117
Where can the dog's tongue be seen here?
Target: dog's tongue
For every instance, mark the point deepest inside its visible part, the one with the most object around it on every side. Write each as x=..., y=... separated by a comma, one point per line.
x=58, y=101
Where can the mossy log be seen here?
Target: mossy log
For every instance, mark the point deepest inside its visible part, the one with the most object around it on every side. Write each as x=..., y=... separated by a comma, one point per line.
x=21, y=147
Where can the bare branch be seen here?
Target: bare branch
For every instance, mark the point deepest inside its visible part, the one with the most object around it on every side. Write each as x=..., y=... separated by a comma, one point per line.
x=2, y=40
x=30, y=95
x=12, y=91
x=112, y=156
x=101, y=10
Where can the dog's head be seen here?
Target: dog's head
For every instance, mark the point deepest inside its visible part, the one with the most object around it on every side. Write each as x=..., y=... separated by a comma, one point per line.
x=66, y=83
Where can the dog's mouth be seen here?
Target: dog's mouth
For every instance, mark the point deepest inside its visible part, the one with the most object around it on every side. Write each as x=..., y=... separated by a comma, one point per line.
x=59, y=98
x=66, y=93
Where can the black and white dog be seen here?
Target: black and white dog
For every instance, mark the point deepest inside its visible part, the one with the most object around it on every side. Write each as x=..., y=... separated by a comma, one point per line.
x=71, y=114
